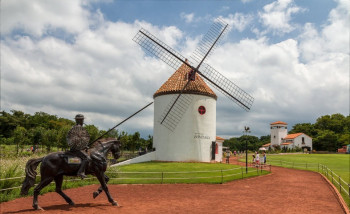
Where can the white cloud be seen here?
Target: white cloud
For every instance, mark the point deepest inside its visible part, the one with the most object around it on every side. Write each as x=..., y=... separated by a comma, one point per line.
x=187, y=17
x=277, y=16
x=105, y=75
x=39, y=17
x=333, y=39
x=238, y=21
x=102, y=74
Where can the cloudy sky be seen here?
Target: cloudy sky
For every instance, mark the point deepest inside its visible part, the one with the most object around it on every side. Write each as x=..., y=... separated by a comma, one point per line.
x=69, y=57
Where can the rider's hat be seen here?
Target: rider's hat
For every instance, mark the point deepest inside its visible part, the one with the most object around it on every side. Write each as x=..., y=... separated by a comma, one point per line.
x=79, y=116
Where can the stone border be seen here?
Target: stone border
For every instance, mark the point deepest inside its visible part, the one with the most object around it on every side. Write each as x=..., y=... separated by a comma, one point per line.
x=336, y=193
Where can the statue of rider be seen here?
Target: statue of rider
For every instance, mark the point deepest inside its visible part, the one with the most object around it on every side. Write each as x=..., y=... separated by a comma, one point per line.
x=78, y=139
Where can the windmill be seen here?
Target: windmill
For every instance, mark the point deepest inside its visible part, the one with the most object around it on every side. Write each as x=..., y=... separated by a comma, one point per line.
x=196, y=65
x=173, y=144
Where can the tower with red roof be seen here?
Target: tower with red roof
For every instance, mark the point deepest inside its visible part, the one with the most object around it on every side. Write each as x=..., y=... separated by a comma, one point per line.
x=193, y=136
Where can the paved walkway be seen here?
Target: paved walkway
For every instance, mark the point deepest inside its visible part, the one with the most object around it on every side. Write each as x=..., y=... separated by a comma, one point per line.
x=283, y=191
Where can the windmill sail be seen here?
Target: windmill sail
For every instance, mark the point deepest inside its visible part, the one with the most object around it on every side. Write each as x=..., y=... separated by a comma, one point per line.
x=173, y=113
x=205, y=46
x=225, y=86
x=175, y=110
x=159, y=49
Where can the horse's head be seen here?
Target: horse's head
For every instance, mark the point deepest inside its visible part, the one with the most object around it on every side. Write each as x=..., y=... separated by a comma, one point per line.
x=116, y=149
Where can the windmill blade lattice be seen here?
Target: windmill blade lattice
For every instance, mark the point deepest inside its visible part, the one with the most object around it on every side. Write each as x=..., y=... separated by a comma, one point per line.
x=178, y=106
x=159, y=49
x=205, y=45
x=225, y=86
x=178, y=109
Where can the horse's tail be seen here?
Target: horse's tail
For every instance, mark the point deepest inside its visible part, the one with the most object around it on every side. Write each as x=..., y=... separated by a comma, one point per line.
x=31, y=173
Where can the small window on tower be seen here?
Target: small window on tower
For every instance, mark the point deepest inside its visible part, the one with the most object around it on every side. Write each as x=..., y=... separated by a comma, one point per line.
x=192, y=75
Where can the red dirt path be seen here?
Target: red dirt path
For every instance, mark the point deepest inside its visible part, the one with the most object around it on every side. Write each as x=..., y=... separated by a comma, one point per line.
x=283, y=191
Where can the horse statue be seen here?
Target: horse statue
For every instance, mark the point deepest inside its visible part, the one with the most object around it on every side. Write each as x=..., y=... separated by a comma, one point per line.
x=55, y=165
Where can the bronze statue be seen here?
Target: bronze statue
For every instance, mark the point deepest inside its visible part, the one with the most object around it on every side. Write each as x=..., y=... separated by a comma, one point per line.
x=78, y=139
x=55, y=165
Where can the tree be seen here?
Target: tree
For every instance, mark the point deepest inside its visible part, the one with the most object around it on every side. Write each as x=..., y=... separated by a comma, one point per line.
x=306, y=128
x=124, y=139
x=149, y=142
x=93, y=132
x=326, y=140
x=20, y=138
x=265, y=139
x=253, y=142
x=62, y=137
x=135, y=141
x=334, y=122
x=113, y=133
x=8, y=124
x=344, y=139
x=50, y=139
x=37, y=135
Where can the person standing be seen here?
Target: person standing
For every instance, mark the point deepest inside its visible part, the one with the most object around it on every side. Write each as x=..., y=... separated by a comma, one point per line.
x=78, y=139
x=228, y=154
x=257, y=158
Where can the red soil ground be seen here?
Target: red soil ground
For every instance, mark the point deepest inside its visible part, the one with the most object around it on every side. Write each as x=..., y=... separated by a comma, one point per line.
x=283, y=191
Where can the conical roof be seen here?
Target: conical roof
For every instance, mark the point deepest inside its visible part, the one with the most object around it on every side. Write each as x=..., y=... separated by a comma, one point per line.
x=178, y=80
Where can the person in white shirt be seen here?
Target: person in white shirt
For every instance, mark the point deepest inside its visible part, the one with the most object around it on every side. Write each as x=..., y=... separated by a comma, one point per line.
x=257, y=158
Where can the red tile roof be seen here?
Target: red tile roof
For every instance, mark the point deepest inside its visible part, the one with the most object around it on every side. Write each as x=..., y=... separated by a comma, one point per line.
x=278, y=122
x=178, y=80
x=219, y=138
x=284, y=144
x=266, y=145
x=292, y=136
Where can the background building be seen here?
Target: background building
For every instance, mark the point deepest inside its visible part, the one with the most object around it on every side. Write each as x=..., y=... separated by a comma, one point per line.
x=281, y=138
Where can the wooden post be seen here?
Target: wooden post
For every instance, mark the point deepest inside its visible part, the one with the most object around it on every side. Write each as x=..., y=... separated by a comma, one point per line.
x=332, y=176
x=222, y=177
x=162, y=176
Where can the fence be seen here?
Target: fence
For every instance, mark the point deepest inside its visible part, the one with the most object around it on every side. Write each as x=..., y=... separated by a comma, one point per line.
x=171, y=177
x=337, y=181
x=21, y=178
x=218, y=176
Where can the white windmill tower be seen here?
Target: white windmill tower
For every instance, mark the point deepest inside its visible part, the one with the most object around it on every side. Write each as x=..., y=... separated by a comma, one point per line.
x=192, y=139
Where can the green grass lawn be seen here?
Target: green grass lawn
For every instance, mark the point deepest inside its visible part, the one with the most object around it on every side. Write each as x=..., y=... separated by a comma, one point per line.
x=174, y=172
x=339, y=163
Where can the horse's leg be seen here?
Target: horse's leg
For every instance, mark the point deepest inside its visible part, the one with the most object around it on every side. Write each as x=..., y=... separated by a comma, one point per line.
x=100, y=176
x=99, y=190
x=43, y=183
x=58, y=181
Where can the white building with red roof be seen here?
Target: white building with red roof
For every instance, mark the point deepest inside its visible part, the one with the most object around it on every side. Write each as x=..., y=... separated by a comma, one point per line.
x=300, y=140
x=280, y=137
